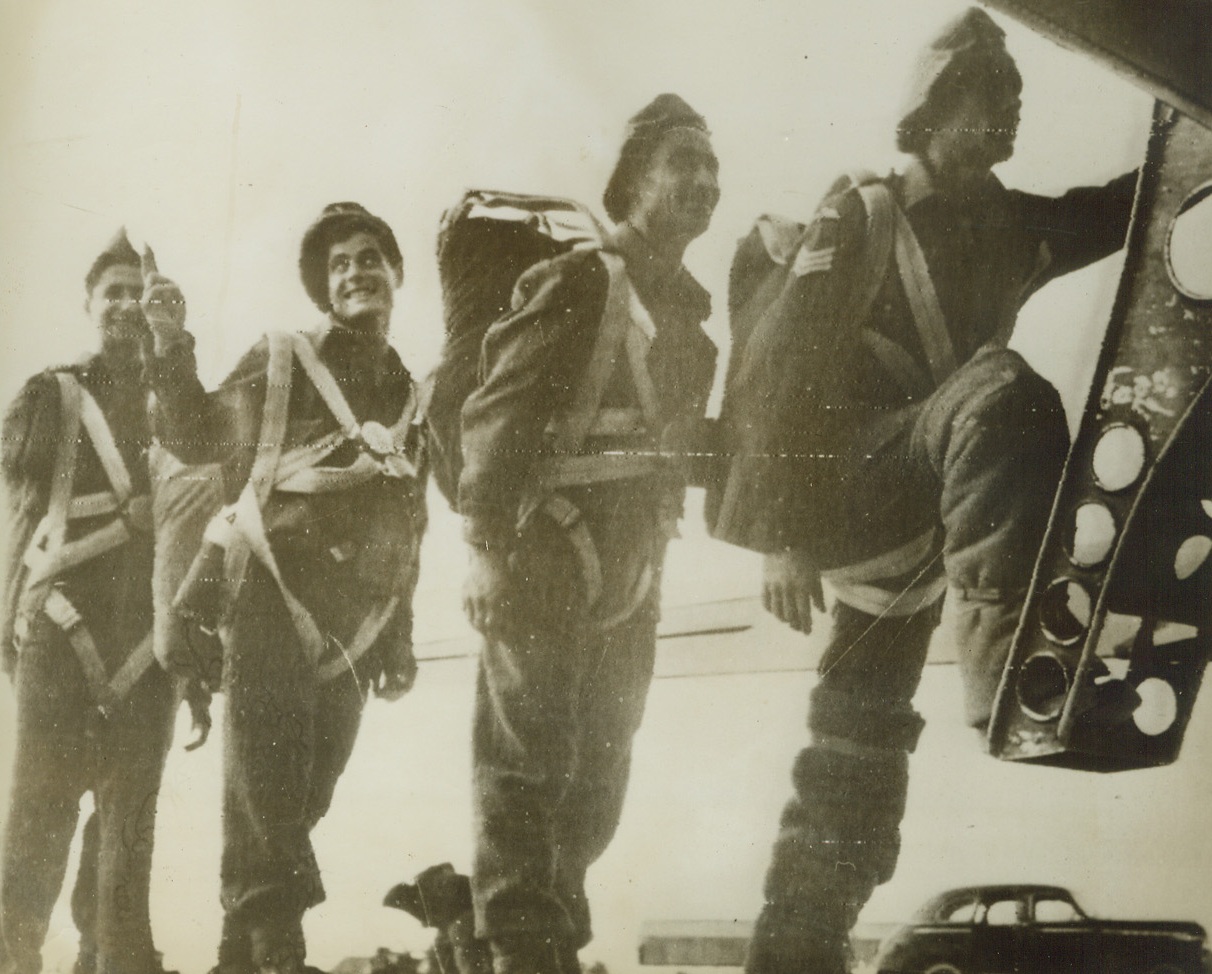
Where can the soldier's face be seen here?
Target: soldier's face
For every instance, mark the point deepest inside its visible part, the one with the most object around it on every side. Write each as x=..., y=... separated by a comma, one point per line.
x=360, y=280
x=113, y=305
x=677, y=193
x=981, y=128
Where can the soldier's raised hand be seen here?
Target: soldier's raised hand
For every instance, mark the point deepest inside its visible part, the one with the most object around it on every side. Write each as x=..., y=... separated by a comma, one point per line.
x=163, y=304
x=791, y=588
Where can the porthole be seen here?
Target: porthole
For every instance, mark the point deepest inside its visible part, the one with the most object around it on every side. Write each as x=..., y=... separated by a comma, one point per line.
x=1065, y=610
x=1158, y=708
x=1091, y=536
x=1043, y=684
x=1189, y=245
x=1119, y=457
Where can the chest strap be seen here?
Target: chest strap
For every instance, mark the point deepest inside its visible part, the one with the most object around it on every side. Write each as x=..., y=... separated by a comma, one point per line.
x=50, y=554
x=240, y=529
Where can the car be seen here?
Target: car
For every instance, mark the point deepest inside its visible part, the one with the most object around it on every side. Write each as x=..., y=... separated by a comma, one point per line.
x=1038, y=929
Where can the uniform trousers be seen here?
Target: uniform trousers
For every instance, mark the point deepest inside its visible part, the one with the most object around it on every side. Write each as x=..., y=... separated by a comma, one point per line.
x=287, y=739
x=558, y=703
x=985, y=453
x=65, y=748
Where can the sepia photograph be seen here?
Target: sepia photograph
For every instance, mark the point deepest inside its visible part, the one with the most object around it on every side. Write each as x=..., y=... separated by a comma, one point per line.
x=546, y=487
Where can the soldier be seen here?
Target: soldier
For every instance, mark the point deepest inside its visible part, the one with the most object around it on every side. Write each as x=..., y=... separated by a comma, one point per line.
x=568, y=508
x=891, y=444
x=323, y=465
x=93, y=712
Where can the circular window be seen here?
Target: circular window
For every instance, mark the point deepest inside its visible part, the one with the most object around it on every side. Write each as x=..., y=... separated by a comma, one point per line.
x=1065, y=610
x=1189, y=245
x=1119, y=457
x=1158, y=709
x=1043, y=684
x=1092, y=535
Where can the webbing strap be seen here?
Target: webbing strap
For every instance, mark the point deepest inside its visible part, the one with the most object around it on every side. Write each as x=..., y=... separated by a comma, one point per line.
x=46, y=563
x=106, y=449
x=923, y=301
x=568, y=516
x=325, y=383
x=594, y=468
x=273, y=416
x=49, y=553
x=369, y=630
x=904, y=558
x=572, y=425
x=877, y=251
x=65, y=459
x=897, y=603
x=105, y=690
x=639, y=343
x=899, y=363
x=323, y=480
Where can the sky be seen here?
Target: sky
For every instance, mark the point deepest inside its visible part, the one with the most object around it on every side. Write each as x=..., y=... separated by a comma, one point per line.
x=217, y=131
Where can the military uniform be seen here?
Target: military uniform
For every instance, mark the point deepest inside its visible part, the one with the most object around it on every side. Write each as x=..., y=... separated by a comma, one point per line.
x=902, y=457
x=342, y=547
x=585, y=520
x=84, y=623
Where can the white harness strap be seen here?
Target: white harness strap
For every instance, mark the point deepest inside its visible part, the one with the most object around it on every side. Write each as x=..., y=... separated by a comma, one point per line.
x=49, y=553
x=923, y=301
x=862, y=585
x=240, y=528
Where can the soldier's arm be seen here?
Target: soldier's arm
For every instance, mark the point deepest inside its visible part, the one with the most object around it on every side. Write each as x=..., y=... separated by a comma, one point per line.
x=201, y=427
x=399, y=662
x=531, y=361
x=31, y=436
x=1084, y=225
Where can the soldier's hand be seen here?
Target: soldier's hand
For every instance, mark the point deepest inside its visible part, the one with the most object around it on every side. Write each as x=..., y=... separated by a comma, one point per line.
x=163, y=304
x=791, y=587
x=399, y=674
x=486, y=592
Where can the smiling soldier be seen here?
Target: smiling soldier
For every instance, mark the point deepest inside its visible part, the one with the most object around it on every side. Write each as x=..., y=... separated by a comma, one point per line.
x=93, y=711
x=891, y=444
x=323, y=465
x=568, y=507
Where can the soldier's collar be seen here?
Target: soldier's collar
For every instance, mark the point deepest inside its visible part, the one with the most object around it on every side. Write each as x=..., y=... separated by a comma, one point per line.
x=630, y=244
x=917, y=184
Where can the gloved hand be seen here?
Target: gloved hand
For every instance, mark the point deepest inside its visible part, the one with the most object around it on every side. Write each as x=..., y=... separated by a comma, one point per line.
x=486, y=593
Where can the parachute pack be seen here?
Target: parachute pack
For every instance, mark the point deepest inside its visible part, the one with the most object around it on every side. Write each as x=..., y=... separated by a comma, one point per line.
x=485, y=242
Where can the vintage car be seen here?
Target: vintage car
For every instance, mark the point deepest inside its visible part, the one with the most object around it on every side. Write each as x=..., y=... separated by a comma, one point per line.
x=1037, y=929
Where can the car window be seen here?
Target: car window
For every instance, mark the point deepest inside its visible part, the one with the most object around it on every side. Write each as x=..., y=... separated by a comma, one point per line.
x=1002, y=913
x=964, y=912
x=1055, y=911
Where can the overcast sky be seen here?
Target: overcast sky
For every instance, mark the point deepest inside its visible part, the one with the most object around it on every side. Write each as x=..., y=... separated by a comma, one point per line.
x=218, y=129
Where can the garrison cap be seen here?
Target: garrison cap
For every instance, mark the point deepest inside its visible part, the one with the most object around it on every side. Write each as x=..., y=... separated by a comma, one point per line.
x=644, y=131
x=117, y=251
x=971, y=43
x=336, y=222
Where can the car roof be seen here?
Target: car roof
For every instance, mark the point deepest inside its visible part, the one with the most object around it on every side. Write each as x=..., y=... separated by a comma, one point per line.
x=1164, y=46
x=959, y=894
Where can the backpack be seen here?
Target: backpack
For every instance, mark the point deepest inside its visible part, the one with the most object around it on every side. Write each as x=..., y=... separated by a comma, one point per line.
x=485, y=243
x=763, y=318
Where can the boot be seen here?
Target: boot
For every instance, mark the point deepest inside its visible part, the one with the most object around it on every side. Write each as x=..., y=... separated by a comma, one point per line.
x=277, y=947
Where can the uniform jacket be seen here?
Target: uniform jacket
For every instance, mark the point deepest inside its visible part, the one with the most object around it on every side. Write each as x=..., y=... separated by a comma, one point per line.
x=373, y=530
x=112, y=592
x=534, y=358
x=818, y=395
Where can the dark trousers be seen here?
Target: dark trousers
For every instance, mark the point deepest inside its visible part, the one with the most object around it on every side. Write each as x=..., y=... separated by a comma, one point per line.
x=64, y=750
x=557, y=706
x=984, y=453
x=287, y=739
